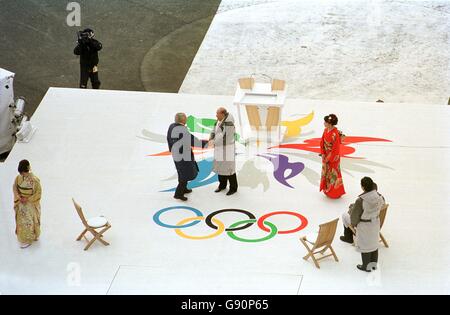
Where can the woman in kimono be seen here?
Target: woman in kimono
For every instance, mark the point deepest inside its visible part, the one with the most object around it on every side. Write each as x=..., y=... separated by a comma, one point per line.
x=223, y=140
x=27, y=196
x=365, y=217
x=331, y=181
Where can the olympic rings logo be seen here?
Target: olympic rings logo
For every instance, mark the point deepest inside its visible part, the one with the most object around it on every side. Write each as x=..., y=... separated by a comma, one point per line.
x=219, y=227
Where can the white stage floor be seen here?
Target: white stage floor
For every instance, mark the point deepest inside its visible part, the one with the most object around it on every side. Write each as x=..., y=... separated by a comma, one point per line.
x=95, y=146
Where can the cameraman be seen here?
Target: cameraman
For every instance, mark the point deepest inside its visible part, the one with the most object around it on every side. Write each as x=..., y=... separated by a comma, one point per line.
x=88, y=49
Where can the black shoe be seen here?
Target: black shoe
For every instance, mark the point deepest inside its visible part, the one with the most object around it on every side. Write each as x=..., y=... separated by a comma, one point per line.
x=182, y=198
x=219, y=190
x=360, y=267
x=231, y=192
x=346, y=240
x=188, y=191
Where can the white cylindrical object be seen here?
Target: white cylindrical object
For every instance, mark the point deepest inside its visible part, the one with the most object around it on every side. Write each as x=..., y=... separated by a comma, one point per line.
x=19, y=107
x=6, y=101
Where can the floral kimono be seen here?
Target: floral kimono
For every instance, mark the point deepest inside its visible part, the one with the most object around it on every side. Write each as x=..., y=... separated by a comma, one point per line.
x=28, y=215
x=331, y=181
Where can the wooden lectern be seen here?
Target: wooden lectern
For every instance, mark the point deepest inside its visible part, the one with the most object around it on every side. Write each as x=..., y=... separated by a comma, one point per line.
x=263, y=103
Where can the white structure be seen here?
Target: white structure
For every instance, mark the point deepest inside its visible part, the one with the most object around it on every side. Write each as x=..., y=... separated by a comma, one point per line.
x=263, y=103
x=14, y=124
x=6, y=100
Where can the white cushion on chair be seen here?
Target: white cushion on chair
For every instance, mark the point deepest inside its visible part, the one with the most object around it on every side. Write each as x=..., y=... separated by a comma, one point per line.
x=97, y=222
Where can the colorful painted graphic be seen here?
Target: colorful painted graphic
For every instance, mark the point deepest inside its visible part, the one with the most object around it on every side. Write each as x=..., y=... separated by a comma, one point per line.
x=218, y=227
x=205, y=175
x=313, y=145
x=281, y=164
x=284, y=157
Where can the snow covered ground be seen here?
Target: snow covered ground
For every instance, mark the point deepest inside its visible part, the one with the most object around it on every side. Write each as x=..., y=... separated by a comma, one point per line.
x=348, y=50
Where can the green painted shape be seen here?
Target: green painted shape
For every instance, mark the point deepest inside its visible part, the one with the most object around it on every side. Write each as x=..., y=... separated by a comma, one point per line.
x=273, y=232
x=201, y=125
x=205, y=125
x=237, y=137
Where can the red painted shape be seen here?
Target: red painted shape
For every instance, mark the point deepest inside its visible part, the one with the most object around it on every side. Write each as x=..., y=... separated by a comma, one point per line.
x=313, y=145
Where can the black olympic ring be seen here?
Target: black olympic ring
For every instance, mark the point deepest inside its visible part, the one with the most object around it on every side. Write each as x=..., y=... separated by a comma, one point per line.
x=250, y=215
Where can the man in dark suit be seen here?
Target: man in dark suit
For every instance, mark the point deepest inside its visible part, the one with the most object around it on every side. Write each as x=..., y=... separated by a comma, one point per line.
x=180, y=142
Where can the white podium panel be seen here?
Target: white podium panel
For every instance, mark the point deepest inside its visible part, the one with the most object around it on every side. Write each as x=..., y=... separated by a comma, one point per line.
x=263, y=103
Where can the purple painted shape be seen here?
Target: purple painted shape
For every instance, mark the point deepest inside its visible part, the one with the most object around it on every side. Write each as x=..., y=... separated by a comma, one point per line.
x=281, y=164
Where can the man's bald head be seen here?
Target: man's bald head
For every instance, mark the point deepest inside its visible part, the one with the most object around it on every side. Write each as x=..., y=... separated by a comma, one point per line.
x=221, y=113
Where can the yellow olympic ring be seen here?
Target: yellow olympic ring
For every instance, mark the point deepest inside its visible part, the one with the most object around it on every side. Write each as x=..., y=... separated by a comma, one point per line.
x=220, y=229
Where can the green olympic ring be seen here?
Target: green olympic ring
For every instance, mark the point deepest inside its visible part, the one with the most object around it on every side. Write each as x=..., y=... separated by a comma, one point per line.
x=273, y=232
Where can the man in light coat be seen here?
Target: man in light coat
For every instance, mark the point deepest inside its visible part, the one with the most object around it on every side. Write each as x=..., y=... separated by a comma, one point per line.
x=223, y=140
x=365, y=217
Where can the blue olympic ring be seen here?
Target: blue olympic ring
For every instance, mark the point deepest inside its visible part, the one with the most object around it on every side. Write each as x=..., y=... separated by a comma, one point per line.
x=197, y=212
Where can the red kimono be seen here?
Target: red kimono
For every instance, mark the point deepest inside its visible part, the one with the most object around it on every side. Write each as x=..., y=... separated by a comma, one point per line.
x=331, y=180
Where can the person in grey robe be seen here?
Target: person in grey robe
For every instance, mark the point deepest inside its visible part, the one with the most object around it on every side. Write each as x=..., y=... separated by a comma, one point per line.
x=346, y=219
x=364, y=216
x=223, y=139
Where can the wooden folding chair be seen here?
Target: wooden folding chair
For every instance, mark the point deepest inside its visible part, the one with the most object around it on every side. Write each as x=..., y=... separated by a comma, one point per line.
x=323, y=242
x=92, y=225
x=383, y=212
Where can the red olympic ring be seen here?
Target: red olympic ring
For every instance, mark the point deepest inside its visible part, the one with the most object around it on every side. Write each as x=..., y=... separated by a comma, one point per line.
x=298, y=215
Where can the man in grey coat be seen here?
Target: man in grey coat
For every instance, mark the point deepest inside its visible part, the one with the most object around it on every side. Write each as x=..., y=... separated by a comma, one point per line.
x=364, y=215
x=223, y=140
